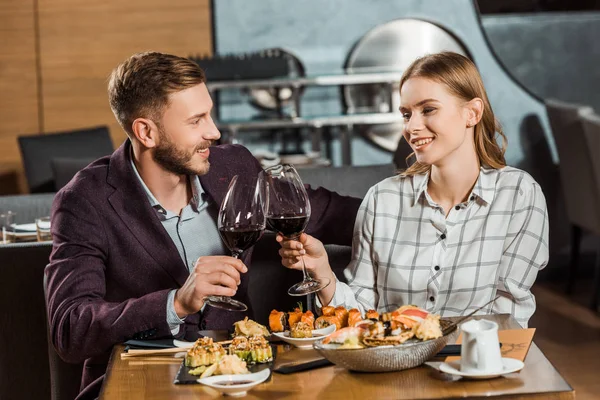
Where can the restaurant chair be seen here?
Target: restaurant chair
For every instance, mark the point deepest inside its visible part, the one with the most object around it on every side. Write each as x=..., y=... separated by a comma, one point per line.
x=39, y=151
x=27, y=207
x=24, y=356
x=577, y=176
x=347, y=180
x=591, y=129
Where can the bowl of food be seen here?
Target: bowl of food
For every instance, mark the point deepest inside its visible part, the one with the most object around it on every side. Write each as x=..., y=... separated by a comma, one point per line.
x=235, y=384
x=397, y=340
x=304, y=337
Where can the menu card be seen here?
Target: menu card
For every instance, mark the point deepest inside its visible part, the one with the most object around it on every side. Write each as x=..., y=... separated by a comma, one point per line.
x=515, y=343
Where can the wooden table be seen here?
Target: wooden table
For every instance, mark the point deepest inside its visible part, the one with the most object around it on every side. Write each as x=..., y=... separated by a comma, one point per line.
x=146, y=379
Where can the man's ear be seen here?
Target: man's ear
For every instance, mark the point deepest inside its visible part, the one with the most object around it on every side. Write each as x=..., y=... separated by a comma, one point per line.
x=474, y=111
x=145, y=131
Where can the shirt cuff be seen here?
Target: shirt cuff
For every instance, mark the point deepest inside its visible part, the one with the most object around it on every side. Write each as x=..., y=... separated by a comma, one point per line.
x=172, y=318
x=336, y=300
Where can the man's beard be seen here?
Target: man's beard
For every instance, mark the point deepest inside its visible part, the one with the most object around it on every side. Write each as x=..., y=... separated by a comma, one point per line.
x=177, y=161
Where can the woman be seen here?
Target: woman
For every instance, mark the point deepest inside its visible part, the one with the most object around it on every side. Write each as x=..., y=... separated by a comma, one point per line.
x=454, y=230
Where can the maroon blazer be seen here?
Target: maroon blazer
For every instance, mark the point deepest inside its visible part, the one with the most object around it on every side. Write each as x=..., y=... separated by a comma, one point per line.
x=113, y=264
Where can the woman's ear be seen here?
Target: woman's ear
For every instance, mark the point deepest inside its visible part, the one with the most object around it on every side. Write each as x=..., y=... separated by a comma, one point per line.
x=474, y=111
x=145, y=131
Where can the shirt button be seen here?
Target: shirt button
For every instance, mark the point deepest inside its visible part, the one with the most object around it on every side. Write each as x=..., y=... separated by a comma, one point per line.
x=457, y=208
x=437, y=267
x=472, y=198
x=443, y=236
x=432, y=299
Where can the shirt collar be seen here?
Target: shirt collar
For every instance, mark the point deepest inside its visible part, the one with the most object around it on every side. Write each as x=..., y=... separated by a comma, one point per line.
x=198, y=194
x=485, y=187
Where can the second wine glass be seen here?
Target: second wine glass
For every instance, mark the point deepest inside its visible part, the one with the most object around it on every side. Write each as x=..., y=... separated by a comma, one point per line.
x=288, y=211
x=241, y=223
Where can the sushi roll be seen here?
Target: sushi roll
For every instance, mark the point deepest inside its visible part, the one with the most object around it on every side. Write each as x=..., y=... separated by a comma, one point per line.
x=354, y=316
x=342, y=314
x=277, y=321
x=294, y=316
x=325, y=320
x=301, y=330
x=328, y=310
x=308, y=318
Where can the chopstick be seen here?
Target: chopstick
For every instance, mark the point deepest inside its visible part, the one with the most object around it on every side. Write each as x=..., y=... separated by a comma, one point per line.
x=155, y=352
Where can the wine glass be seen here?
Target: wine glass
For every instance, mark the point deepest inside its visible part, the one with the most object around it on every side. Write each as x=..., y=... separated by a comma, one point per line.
x=241, y=223
x=288, y=211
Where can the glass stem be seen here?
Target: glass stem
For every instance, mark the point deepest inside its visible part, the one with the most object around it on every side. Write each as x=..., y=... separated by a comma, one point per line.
x=307, y=277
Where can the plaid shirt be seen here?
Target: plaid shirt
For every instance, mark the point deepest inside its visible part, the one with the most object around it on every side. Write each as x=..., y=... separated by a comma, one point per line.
x=406, y=251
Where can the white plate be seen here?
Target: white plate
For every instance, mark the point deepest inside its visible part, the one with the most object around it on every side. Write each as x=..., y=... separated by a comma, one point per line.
x=217, y=382
x=305, y=343
x=25, y=227
x=510, y=365
x=183, y=345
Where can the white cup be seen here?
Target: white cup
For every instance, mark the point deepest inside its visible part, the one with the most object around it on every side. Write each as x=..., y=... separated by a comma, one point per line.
x=480, y=350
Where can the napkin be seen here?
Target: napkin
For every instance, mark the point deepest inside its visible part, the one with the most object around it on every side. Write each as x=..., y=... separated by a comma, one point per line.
x=515, y=343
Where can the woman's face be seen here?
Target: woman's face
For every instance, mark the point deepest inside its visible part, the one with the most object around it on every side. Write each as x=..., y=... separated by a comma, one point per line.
x=436, y=123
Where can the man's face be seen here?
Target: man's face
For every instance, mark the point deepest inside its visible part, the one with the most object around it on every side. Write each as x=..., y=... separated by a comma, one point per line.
x=186, y=132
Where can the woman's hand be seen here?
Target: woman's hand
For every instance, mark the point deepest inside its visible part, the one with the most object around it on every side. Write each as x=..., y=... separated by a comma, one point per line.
x=309, y=248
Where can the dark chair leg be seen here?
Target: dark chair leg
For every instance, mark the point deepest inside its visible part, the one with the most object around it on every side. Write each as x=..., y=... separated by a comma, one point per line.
x=574, y=262
x=596, y=287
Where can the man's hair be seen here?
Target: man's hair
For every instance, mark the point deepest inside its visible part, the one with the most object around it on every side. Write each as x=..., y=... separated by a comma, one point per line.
x=140, y=86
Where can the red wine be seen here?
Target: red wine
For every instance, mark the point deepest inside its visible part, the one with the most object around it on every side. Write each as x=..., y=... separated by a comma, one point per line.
x=289, y=226
x=239, y=239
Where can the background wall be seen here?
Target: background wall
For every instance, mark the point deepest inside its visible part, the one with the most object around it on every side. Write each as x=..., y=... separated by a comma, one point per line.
x=19, y=111
x=56, y=56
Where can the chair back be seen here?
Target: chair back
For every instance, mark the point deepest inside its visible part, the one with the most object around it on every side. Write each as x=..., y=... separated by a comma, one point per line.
x=38, y=151
x=347, y=180
x=27, y=207
x=24, y=357
x=576, y=167
x=591, y=129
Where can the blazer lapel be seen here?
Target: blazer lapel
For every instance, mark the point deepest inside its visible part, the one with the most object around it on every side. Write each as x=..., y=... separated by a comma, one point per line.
x=129, y=201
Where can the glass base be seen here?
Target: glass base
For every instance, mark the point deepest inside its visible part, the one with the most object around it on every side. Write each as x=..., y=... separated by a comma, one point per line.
x=225, y=303
x=307, y=287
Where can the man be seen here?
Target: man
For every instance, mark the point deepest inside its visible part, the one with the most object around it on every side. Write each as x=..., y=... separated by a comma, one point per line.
x=136, y=246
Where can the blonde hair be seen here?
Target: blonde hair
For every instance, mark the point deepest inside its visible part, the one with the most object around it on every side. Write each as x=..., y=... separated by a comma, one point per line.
x=140, y=86
x=462, y=79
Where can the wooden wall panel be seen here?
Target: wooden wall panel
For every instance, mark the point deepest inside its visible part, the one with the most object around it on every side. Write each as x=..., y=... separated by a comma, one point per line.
x=81, y=42
x=18, y=87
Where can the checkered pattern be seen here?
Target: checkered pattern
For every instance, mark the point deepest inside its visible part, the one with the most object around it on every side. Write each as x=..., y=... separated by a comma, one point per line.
x=406, y=251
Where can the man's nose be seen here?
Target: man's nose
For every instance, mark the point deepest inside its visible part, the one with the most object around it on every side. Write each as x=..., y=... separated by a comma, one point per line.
x=213, y=132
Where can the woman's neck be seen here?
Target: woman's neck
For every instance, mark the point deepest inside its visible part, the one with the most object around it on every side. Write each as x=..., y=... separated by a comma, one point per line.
x=451, y=182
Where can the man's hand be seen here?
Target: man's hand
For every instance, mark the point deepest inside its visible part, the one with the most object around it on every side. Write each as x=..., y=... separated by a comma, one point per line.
x=212, y=276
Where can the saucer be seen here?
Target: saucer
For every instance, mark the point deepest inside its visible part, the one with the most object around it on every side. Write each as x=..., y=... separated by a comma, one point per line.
x=305, y=343
x=227, y=384
x=510, y=365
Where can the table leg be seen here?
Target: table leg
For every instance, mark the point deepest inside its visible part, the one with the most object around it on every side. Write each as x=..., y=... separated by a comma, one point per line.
x=346, y=144
x=316, y=137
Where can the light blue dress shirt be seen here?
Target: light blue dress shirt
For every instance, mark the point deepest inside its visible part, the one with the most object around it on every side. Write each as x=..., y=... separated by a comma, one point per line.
x=194, y=232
